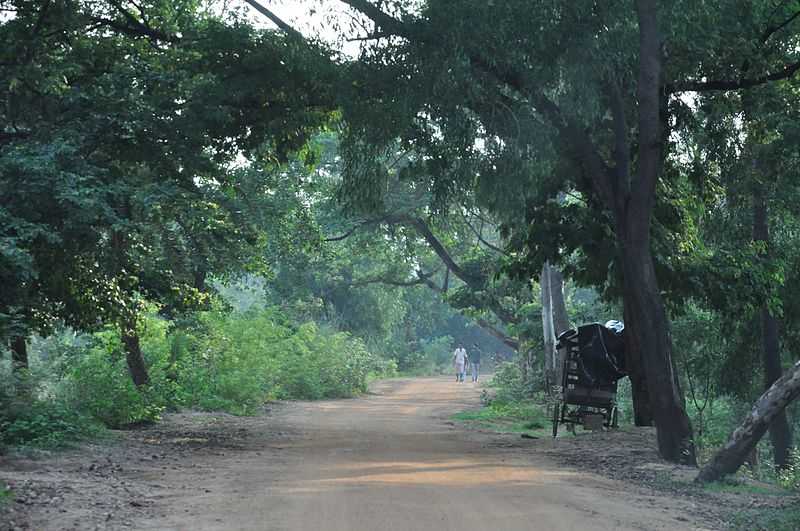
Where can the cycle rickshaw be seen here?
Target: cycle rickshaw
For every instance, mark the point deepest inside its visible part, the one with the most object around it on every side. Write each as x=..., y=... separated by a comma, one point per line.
x=593, y=362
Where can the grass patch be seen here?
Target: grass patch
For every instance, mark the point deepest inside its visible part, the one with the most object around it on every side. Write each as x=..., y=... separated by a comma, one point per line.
x=743, y=487
x=772, y=519
x=5, y=495
x=524, y=417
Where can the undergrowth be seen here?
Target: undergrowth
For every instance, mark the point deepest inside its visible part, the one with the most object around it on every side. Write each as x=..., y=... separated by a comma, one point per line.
x=769, y=519
x=6, y=495
x=212, y=360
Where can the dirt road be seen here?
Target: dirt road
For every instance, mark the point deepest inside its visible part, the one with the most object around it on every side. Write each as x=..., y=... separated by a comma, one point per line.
x=393, y=461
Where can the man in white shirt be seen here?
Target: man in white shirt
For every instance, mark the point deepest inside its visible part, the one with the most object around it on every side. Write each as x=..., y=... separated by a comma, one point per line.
x=460, y=360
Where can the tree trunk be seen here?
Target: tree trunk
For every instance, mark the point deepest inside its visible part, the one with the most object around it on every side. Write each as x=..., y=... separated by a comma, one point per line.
x=780, y=432
x=548, y=329
x=134, y=357
x=632, y=199
x=200, y=279
x=560, y=316
x=744, y=438
x=642, y=412
x=652, y=337
x=19, y=353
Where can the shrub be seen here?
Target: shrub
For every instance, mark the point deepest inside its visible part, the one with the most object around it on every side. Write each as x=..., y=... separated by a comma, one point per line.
x=214, y=360
x=789, y=477
x=509, y=385
x=99, y=383
x=44, y=424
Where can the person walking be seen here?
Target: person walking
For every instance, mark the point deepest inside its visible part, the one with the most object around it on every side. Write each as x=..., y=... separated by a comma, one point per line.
x=475, y=362
x=460, y=360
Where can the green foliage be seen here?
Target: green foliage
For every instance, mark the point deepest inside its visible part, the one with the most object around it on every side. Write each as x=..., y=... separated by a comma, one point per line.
x=772, y=519
x=509, y=385
x=44, y=424
x=789, y=476
x=38, y=421
x=213, y=360
x=509, y=409
x=6, y=495
x=236, y=362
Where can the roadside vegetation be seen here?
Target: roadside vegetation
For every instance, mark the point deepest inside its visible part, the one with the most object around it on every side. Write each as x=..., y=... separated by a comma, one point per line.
x=198, y=210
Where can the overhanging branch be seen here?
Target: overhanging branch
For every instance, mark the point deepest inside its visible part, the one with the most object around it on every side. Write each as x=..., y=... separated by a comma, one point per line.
x=387, y=23
x=275, y=19
x=786, y=72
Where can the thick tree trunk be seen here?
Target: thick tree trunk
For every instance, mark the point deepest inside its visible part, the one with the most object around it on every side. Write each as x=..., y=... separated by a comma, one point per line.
x=19, y=353
x=548, y=329
x=744, y=438
x=134, y=357
x=780, y=432
x=632, y=199
x=652, y=336
x=642, y=412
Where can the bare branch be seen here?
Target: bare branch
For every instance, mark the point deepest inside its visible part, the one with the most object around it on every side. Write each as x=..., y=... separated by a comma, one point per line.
x=384, y=21
x=481, y=238
x=275, y=19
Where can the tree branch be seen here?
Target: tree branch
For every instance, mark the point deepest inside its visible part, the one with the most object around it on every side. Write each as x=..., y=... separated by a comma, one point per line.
x=137, y=30
x=275, y=19
x=733, y=84
x=600, y=174
x=134, y=26
x=384, y=21
x=425, y=231
x=483, y=323
x=481, y=238
x=422, y=279
x=345, y=235
x=494, y=331
x=772, y=30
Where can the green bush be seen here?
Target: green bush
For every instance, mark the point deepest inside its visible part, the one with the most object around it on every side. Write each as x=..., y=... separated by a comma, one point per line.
x=789, y=477
x=509, y=385
x=237, y=361
x=6, y=495
x=100, y=385
x=211, y=360
x=44, y=424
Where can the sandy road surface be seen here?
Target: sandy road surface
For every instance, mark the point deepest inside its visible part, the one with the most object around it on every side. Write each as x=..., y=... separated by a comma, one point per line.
x=392, y=461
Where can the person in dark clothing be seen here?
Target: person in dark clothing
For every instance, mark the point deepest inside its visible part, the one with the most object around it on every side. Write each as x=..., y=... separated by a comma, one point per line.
x=475, y=362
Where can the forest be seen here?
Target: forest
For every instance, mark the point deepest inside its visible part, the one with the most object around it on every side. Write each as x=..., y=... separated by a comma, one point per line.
x=212, y=205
